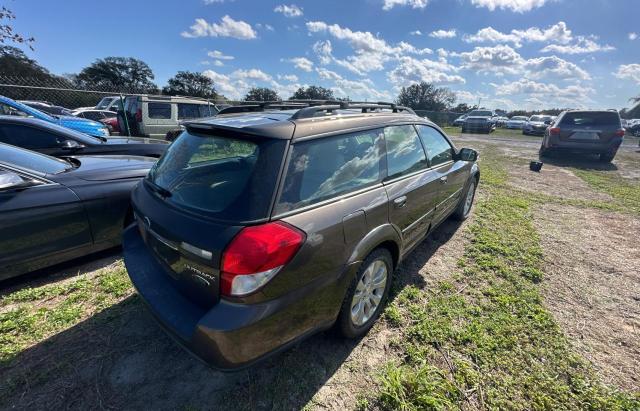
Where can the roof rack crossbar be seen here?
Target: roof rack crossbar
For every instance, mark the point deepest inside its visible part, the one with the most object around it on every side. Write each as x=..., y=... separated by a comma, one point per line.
x=365, y=107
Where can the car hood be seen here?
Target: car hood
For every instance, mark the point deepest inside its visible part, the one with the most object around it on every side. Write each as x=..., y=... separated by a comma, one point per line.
x=134, y=140
x=104, y=168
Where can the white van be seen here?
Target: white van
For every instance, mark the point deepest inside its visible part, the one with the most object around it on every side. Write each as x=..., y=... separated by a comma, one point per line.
x=154, y=116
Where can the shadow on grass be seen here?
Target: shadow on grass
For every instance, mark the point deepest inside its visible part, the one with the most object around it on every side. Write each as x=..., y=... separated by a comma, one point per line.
x=587, y=162
x=120, y=358
x=61, y=271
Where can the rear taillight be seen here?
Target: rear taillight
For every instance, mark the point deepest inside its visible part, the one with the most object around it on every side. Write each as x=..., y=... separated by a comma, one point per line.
x=256, y=254
x=620, y=132
x=139, y=115
x=554, y=131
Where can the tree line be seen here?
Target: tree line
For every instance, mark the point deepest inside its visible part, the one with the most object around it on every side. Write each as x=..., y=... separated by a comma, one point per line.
x=131, y=75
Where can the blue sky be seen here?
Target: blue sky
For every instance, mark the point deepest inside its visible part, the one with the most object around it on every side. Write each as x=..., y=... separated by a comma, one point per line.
x=510, y=53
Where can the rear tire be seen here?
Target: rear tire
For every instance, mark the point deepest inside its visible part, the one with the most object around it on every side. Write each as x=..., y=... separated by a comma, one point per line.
x=364, y=301
x=607, y=157
x=463, y=210
x=544, y=152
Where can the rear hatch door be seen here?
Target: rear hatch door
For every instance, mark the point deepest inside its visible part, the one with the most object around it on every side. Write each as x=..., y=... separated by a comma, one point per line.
x=199, y=195
x=589, y=127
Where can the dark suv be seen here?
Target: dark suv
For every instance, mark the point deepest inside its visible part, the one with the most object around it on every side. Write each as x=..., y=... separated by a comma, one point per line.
x=592, y=132
x=255, y=230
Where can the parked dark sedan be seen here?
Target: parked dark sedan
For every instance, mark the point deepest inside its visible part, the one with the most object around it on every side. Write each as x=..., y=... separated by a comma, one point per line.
x=60, y=141
x=53, y=210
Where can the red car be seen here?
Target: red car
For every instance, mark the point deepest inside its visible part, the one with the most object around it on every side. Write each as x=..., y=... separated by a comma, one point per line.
x=112, y=124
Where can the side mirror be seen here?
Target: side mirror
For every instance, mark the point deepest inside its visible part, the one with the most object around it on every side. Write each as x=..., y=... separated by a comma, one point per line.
x=71, y=145
x=11, y=180
x=467, y=154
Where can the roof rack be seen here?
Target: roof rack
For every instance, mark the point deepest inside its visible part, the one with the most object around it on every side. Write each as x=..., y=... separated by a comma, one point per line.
x=309, y=108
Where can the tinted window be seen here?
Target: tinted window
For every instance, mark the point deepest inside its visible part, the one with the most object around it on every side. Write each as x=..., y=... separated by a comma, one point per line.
x=159, y=110
x=228, y=178
x=104, y=103
x=93, y=115
x=606, y=118
x=404, y=151
x=28, y=137
x=481, y=113
x=186, y=110
x=31, y=160
x=438, y=148
x=324, y=168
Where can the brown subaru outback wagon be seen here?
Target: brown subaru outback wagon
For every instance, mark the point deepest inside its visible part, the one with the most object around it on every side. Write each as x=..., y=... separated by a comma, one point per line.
x=257, y=229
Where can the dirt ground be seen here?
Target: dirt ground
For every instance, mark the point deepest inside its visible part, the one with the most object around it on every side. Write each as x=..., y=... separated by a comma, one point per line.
x=592, y=286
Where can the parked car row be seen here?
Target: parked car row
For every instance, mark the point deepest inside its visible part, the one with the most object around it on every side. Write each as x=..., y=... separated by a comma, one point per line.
x=254, y=229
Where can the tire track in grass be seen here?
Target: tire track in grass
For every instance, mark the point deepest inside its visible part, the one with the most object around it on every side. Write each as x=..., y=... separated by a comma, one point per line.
x=485, y=340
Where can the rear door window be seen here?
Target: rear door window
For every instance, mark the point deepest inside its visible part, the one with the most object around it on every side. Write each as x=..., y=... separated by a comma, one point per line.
x=28, y=137
x=186, y=110
x=229, y=178
x=404, y=150
x=591, y=119
x=439, y=150
x=323, y=168
x=159, y=110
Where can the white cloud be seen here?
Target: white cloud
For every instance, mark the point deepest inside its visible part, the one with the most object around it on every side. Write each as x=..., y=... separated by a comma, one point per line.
x=227, y=27
x=633, y=36
x=629, y=72
x=519, y=6
x=502, y=59
x=215, y=54
x=558, y=33
x=581, y=46
x=288, y=77
x=416, y=33
x=371, y=52
x=253, y=74
x=261, y=26
x=289, y=11
x=302, y=63
x=415, y=4
x=218, y=63
x=548, y=92
x=443, y=34
x=411, y=70
x=323, y=49
x=328, y=74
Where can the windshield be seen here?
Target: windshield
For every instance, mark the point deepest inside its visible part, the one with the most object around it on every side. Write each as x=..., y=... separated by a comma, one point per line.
x=10, y=107
x=518, y=118
x=227, y=177
x=482, y=113
x=104, y=103
x=31, y=160
x=540, y=118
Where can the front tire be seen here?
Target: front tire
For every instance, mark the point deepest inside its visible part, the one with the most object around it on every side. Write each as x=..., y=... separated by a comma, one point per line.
x=366, y=295
x=463, y=210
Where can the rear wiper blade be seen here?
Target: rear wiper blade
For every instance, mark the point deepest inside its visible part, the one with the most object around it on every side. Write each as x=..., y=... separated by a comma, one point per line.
x=160, y=190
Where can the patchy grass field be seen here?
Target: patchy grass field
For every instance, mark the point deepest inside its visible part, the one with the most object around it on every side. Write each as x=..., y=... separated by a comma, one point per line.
x=533, y=303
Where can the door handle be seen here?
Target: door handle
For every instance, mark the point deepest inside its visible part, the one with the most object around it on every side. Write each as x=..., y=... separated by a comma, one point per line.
x=443, y=179
x=400, y=202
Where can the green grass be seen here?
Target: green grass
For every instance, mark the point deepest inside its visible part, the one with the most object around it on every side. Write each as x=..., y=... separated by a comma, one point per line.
x=486, y=340
x=626, y=192
x=32, y=314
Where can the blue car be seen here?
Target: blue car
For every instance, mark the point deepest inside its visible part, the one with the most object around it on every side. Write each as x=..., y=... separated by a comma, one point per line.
x=93, y=128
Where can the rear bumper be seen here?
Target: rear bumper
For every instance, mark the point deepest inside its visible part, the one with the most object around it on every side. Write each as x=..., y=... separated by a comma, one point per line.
x=229, y=335
x=556, y=144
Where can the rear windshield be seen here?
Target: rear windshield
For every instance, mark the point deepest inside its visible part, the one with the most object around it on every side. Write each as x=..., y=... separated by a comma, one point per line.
x=481, y=113
x=231, y=179
x=605, y=118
